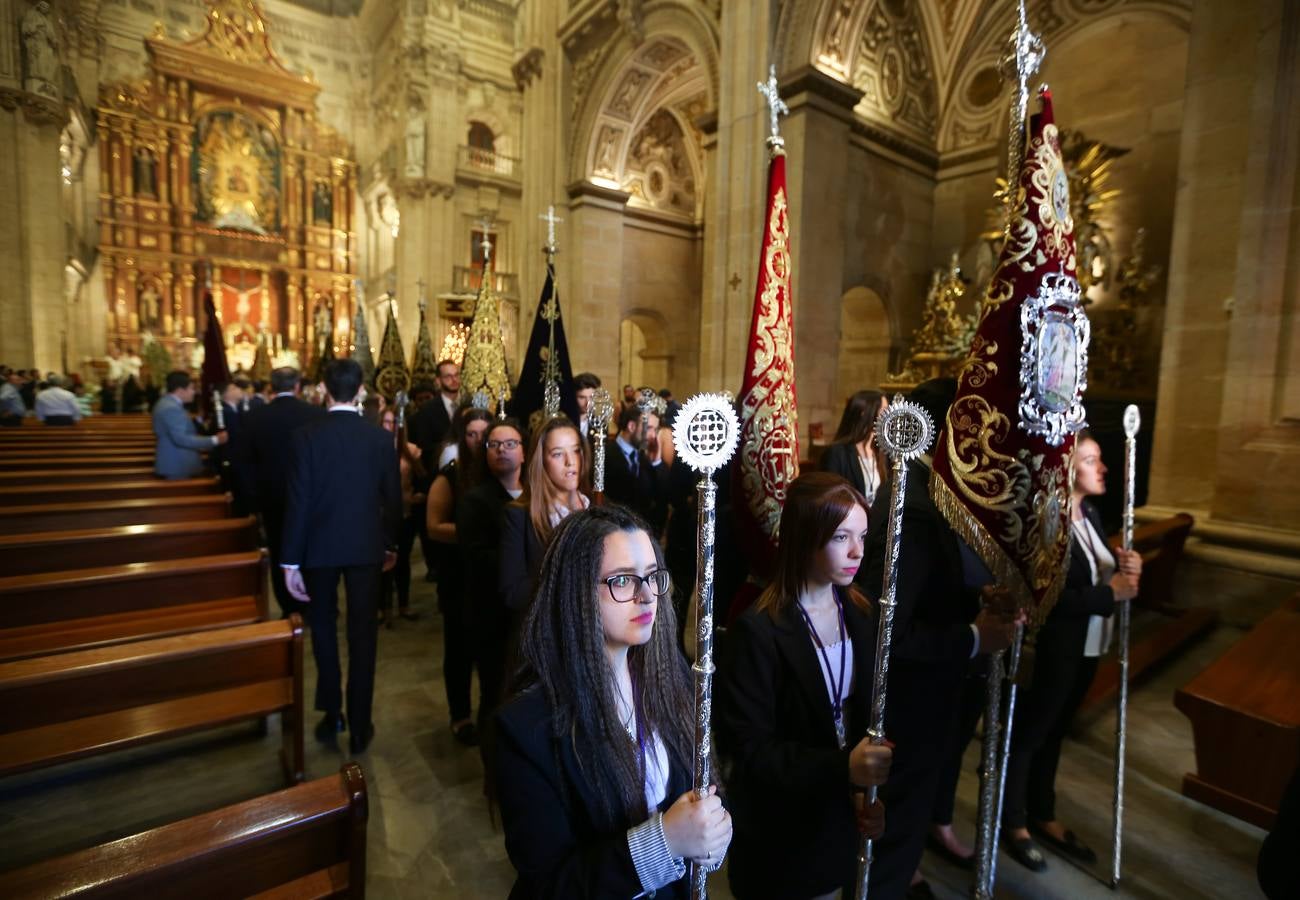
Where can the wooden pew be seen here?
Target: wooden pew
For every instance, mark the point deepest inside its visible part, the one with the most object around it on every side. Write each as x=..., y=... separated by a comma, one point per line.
x=105, y=489
x=305, y=841
x=1245, y=715
x=106, y=462
x=71, y=475
x=1161, y=545
x=68, y=610
x=69, y=706
x=111, y=513
x=87, y=548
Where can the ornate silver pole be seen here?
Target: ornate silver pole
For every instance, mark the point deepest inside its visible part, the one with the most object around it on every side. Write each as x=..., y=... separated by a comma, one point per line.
x=904, y=431
x=218, y=410
x=709, y=431
x=1132, y=422
x=646, y=401
x=598, y=415
x=1016, y=644
x=1020, y=63
x=986, y=848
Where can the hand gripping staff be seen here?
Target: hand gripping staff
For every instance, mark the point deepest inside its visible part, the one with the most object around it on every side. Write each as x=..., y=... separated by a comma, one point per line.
x=707, y=431
x=904, y=431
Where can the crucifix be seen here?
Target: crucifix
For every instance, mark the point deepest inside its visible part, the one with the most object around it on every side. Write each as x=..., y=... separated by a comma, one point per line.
x=486, y=243
x=1020, y=63
x=775, y=107
x=422, y=303
x=551, y=221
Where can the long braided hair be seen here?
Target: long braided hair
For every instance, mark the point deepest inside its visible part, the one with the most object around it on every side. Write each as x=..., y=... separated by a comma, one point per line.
x=562, y=652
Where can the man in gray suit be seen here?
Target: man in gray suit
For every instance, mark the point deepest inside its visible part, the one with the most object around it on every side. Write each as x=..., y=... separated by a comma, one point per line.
x=179, y=441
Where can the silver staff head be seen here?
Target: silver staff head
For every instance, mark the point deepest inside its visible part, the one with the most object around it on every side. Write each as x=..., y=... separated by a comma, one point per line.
x=904, y=430
x=600, y=411
x=551, y=398
x=481, y=400
x=646, y=400
x=706, y=432
x=1132, y=421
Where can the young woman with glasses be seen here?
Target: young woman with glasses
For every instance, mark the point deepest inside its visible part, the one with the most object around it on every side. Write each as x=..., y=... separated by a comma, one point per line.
x=794, y=704
x=553, y=488
x=594, y=750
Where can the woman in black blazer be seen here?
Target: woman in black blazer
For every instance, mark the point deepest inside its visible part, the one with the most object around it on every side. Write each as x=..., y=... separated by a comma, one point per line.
x=853, y=455
x=594, y=751
x=1075, y=634
x=794, y=706
x=553, y=488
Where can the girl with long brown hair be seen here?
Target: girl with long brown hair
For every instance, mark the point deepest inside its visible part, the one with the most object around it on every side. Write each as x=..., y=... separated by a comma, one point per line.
x=794, y=705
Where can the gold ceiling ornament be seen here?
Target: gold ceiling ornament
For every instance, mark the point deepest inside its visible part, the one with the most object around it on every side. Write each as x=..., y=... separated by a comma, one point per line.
x=1113, y=361
x=237, y=29
x=392, y=375
x=944, y=338
x=484, y=371
x=424, y=368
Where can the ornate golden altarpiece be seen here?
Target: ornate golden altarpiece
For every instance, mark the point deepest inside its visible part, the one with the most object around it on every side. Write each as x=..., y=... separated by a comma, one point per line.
x=215, y=159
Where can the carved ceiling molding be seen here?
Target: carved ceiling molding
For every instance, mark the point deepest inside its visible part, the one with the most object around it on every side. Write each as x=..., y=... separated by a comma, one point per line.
x=974, y=110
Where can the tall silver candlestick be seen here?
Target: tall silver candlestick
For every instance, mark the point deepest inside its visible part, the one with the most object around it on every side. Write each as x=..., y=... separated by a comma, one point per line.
x=707, y=432
x=904, y=431
x=1132, y=422
x=599, y=413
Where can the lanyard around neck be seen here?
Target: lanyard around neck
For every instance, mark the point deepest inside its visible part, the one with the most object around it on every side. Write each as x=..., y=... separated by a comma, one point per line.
x=837, y=684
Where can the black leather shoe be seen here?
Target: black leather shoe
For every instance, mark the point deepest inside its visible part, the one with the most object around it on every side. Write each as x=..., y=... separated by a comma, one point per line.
x=465, y=733
x=329, y=727
x=1071, y=846
x=361, y=739
x=939, y=847
x=1023, y=851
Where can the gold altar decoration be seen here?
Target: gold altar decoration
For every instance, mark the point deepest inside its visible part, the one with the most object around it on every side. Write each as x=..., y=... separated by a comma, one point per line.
x=454, y=344
x=484, y=373
x=1112, y=362
x=941, y=343
x=216, y=157
x=392, y=376
x=424, y=368
x=261, y=370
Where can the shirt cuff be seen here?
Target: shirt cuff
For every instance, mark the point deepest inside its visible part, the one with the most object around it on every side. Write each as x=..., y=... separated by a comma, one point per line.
x=294, y=566
x=655, y=865
x=975, y=647
x=215, y=441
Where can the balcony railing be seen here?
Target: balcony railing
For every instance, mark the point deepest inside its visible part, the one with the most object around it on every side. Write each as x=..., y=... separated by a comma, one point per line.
x=466, y=279
x=476, y=159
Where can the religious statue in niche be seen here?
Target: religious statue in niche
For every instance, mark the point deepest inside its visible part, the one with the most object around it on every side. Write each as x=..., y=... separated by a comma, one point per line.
x=236, y=170
x=322, y=204
x=148, y=306
x=145, y=170
x=40, y=52
x=414, y=142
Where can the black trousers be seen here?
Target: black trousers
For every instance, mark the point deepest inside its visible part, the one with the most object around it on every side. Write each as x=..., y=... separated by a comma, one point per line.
x=457, y=639
x=970, y=709
x=273, y=525
x=1043, y=714
x=362, y=586
x=398, y=578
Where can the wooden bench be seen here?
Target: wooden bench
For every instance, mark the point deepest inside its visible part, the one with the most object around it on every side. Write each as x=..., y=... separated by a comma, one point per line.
x=70, y=706
x=68, y=610
x=1161, y=545
x=87, y=548
x=305, y=841
x=1245, y=715
x=105, y=489
x=71, y=475
x=111, y=513
x=74, y=457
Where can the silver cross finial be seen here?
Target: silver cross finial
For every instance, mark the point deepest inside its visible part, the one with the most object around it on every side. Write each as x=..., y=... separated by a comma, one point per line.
x=486, y=243
x=419, y=283
x=551, y=221
x=775, y=106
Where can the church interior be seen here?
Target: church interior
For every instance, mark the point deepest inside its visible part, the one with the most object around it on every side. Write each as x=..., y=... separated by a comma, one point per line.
x=326, y=167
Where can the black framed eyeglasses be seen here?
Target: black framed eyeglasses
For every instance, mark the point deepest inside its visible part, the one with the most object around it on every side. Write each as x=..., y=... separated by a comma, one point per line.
x=625, y=587
x=507, y=444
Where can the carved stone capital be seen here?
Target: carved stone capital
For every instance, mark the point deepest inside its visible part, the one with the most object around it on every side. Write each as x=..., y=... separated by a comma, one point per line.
x=416, y=188
x=38, y=110
x=528, y=66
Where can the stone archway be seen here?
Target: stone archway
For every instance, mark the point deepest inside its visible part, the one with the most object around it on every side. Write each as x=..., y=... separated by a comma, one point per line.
x=644, y=357
x=865, y=340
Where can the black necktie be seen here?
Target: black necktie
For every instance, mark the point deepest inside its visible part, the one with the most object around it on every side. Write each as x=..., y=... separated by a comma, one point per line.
x=632, y=463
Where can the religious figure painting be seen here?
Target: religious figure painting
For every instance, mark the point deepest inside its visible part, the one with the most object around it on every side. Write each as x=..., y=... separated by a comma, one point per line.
x=237, y=173
x=322, y=204
x=145, y=171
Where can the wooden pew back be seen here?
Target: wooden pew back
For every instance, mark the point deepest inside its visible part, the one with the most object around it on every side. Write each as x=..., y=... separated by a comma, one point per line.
x=73, y=705
x=71, y=475
x=37, y=493
x=1161, y=545
x=111, y=513
x=305, y=841
x=53, y=551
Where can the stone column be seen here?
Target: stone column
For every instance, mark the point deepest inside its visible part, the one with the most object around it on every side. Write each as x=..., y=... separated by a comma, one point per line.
x=596, y=250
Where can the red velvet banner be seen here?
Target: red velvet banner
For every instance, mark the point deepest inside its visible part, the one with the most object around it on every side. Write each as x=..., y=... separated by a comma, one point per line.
x=1002, y=462
x=769, y=428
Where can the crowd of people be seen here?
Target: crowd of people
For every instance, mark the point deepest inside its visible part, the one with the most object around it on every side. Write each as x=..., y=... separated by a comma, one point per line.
x=50, y=398
x=570, y=606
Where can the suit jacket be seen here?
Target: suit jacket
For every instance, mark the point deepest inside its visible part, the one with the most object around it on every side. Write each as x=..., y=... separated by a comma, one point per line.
x=521, y=559
x=842, y=459
x=1066, y=629
x=344, y=504
x=179, y=444
x=645, y=493
x=261, y=453
x=788, y=783
x=480, y=517
x=429, y=426
x=550, y=812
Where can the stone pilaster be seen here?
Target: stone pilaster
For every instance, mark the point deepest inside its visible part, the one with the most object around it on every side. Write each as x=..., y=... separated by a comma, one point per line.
x=592, y=314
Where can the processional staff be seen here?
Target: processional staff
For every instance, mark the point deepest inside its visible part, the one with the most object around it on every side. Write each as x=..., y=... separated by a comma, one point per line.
x=646, y=402
x=904, y=431
x=600, y=411
x=1132, y=422
x=709, y=433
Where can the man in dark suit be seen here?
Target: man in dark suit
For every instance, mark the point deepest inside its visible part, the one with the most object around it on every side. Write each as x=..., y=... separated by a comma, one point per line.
x=939, y=627
x=342, y=518
x=636, y=478
x=261, y=459
x=431, y=424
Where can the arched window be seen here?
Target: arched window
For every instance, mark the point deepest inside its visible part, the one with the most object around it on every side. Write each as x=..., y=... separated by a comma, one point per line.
x=481, y=137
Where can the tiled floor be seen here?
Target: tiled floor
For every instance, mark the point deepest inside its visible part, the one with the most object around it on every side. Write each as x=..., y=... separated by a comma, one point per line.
x=430, y=835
